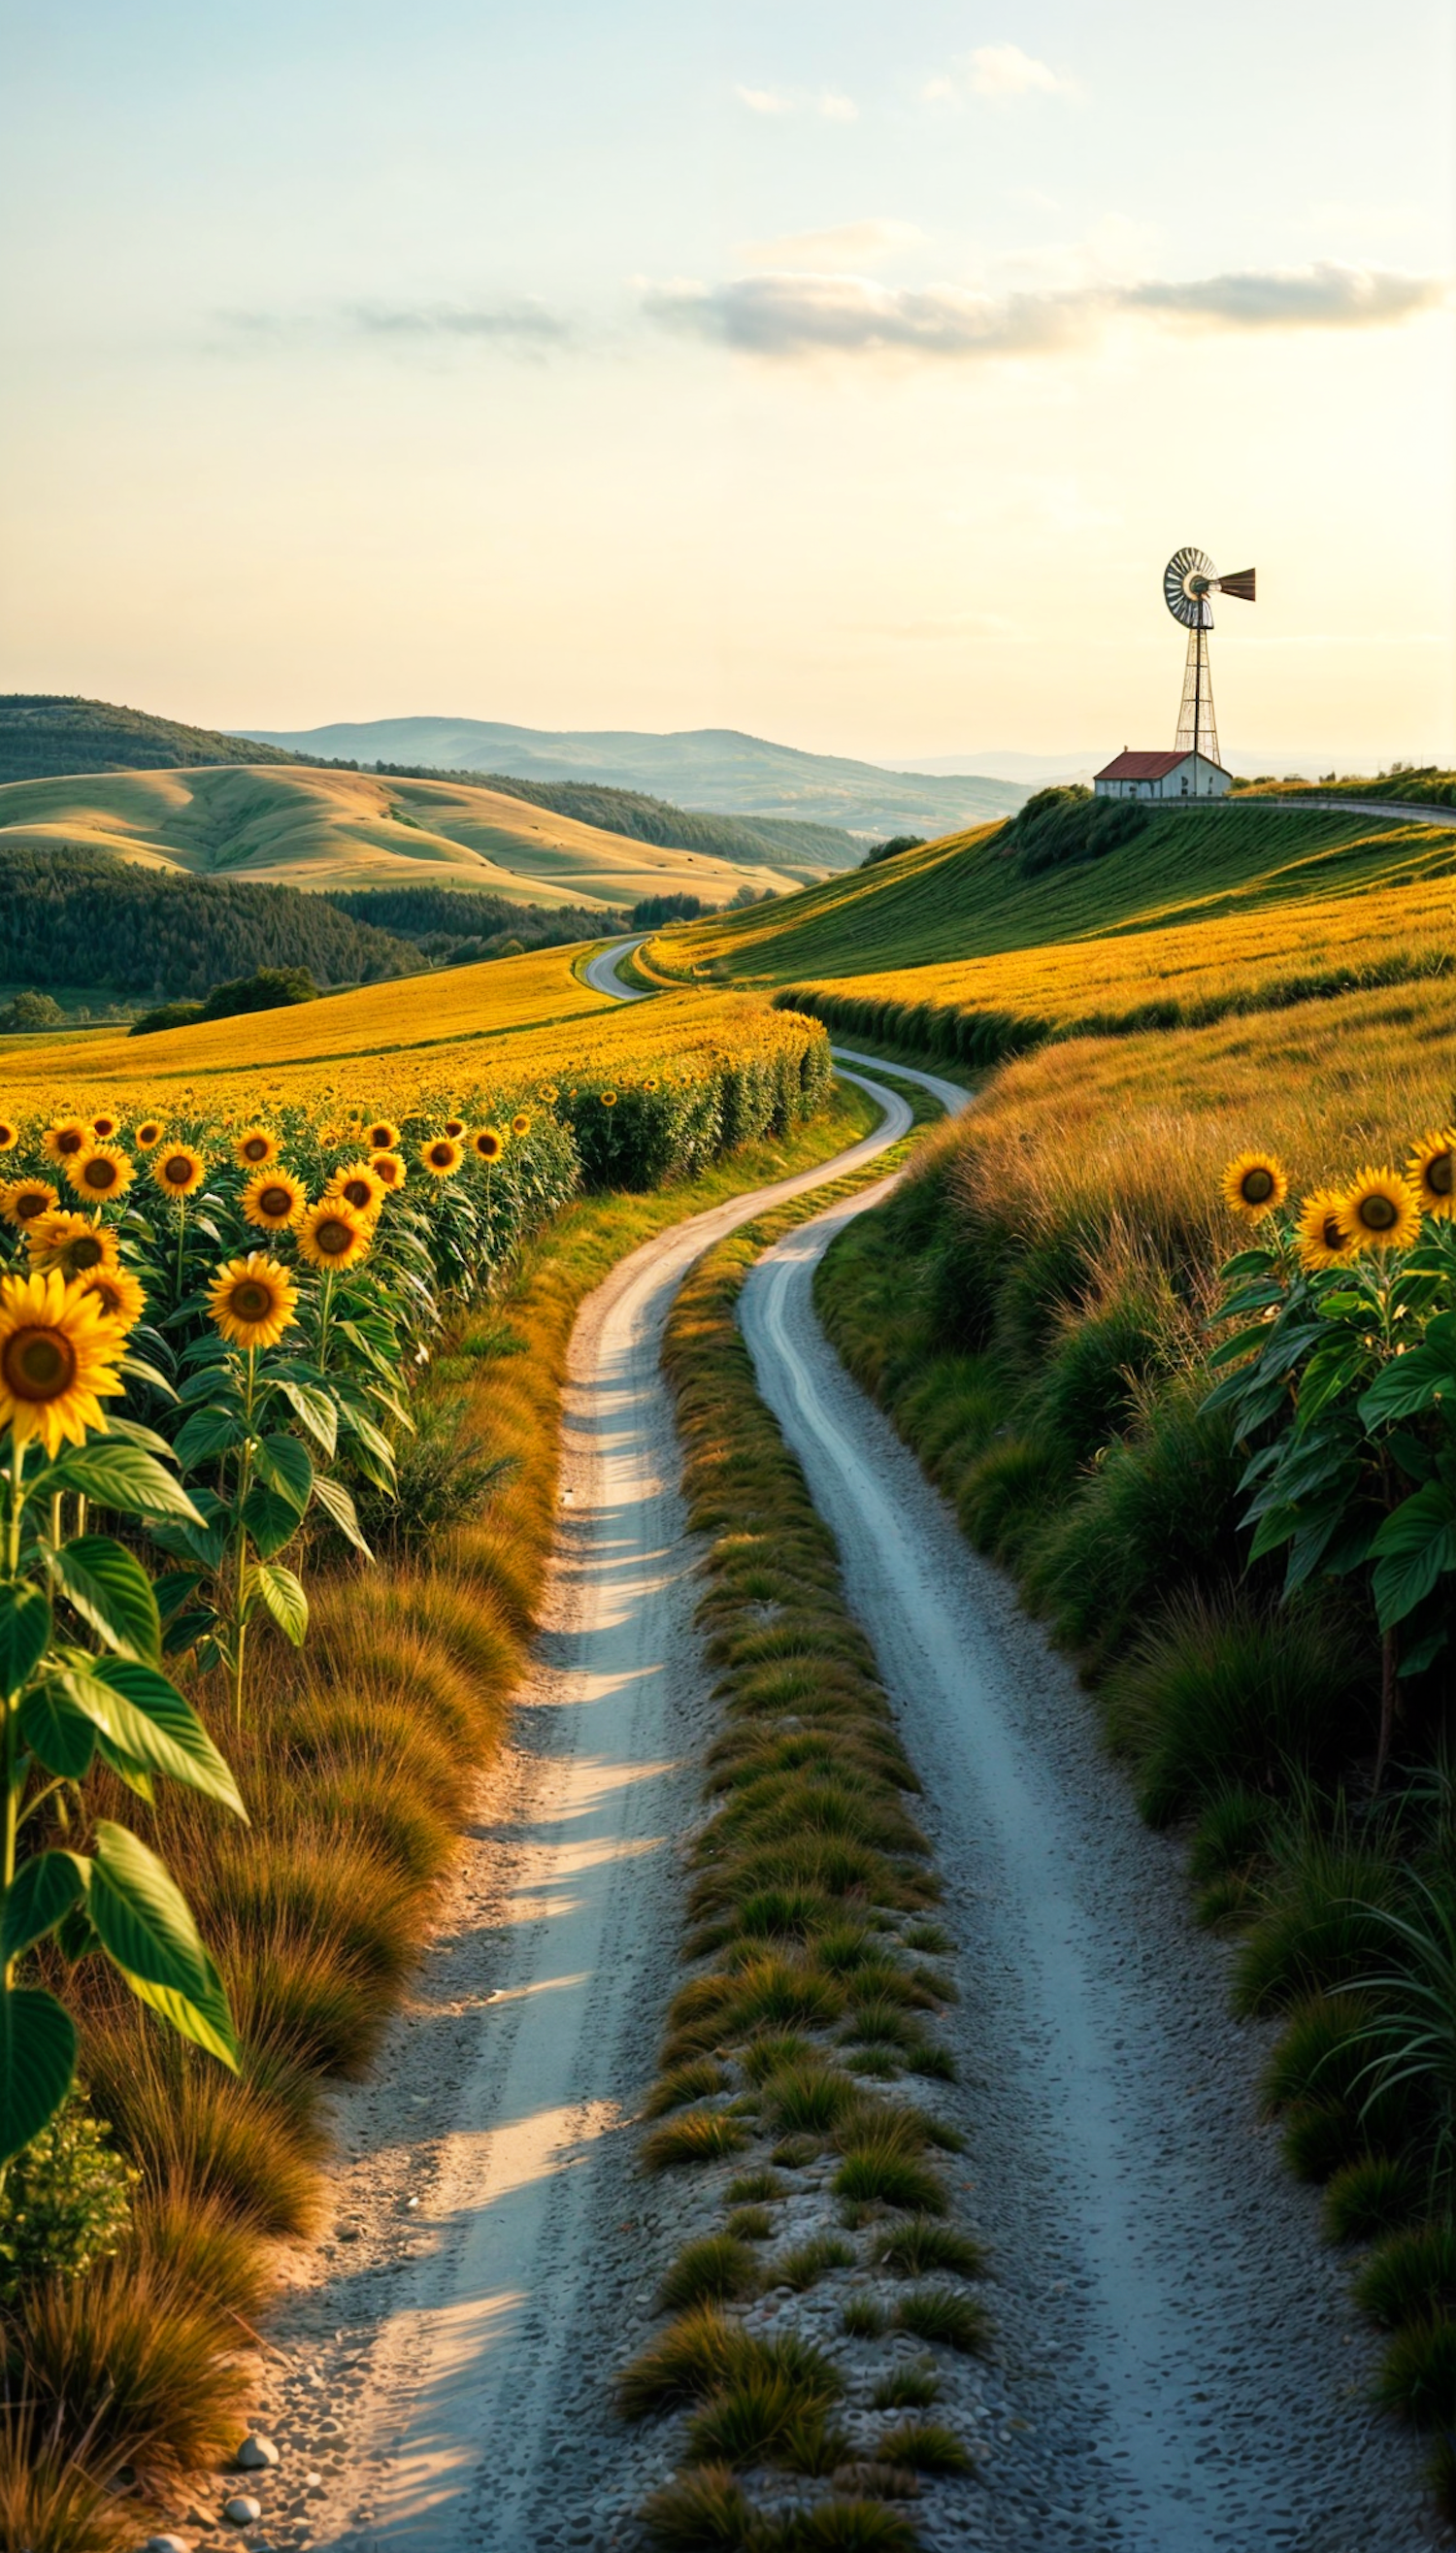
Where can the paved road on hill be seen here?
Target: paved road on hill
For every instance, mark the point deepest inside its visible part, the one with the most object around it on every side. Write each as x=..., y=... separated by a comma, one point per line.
x=601, y=971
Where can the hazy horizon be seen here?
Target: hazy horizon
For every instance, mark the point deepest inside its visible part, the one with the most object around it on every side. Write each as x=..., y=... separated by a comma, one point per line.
x=821, y=372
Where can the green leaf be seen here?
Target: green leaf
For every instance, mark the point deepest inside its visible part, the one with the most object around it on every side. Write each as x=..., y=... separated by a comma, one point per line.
x=63, y=1738
x=38, y=2058
x=315, y=1409
x=25, y=1629
x=205, y=1434
x=1409, y=1383
x=137, y=1369
x=1245, y=1343
x=150, y=1722
x=111, y=1591
x=337, y=1504
x=44, y=1889
x=271, y=1521
x=283, y=1596
x=122, y=1476
x=285, y=1467
x=1415, y=1547
x=144, y=1924
x=1330, y=1369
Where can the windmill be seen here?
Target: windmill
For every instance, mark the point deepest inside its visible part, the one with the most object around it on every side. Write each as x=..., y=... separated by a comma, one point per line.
x=1188, y=579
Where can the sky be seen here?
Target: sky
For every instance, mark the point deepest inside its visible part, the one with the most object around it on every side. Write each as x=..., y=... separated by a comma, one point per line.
x=840, y=372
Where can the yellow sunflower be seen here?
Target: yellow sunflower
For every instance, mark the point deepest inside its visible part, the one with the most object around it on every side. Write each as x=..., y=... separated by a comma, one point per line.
x=1382, y=1209
x=252, y=1300
x=62, y=1141
x=332, y=1235
x=360, y=1187
x=488, y=1143
x=119, y=1295
x=388, y=1167
x=100, y=1173
x=520, y=1123
x=1326, y=1239
x=59, y=1354
x=256, y=1147
x=651, y=1081
x=441, y=1157
x=1431, y=1171
x=381, y=1137
x=454, y=1126
x=272, y=1200
x=607, y=1098
x=23, y=1199
x=178, y=1170
x=104, y=1128
x=549, y=1094
x=149, y=1133
x=1254, y=1184
x=71, y=1241
x=9, y=1135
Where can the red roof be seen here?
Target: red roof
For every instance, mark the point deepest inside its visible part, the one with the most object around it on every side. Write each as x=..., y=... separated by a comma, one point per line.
x=1145, y=766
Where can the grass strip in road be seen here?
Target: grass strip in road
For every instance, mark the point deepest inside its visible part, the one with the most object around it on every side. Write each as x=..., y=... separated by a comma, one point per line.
x=358, y=1762
x=802, y=2056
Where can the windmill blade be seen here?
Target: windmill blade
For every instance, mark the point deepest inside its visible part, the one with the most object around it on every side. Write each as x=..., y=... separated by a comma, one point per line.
x=1241, y=584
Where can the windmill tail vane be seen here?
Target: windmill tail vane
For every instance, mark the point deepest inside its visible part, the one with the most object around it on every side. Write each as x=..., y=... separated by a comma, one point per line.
x=1190, y=581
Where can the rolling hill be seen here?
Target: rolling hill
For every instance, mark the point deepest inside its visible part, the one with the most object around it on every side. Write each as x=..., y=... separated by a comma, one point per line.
x=715, y=768
x=289, y=824
x=43, y=733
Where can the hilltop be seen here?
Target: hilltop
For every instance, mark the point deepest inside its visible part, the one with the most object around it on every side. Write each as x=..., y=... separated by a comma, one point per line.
x=714, y=769
x=45, y=733
x=293, y=825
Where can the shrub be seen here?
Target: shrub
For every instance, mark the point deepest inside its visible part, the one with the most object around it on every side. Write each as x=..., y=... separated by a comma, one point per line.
x=715, y=2269
x=65, y=2201
x=444, y=1476
x=699, y=2136
x=1417, y=2376
x=701, y=2511
x=127, y=2364
x=1008, y=1493
x=907, y=2389
x=925, y=2446
x=912, y=2249
x=942, y=2315
x=808, y=2261
x=849, y=2526
x=47, y=2502
x=1411, y=2277
x=1318, y=1928
x=754, y=2224
x=864, y=2317
x=1226, y=1693
x=1372, y=2196
x=809, y=2097
x=697, y=2081
x=877, y=2167
x=765, y=2417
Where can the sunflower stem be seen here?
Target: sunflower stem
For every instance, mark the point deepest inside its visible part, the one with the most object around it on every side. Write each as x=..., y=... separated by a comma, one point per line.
x=181, y=1243
x=240, y=1580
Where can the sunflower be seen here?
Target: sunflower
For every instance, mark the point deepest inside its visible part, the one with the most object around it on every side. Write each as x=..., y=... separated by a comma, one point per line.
x=71, y=1241
x=149, y=1132
x=360, y=1187
x=1431, y=1171
x=332, y=1235
x=1326, y=1239
x=607, y=1098
x=381, y=1137
x=9, y=1135
x=252, y=1300
x=520, y=1123
x=256, y=1147
x=441, y=1156
x=487, y=1143
x=119, y=1295
x=178, y=1171
x=549, y=1095
x=1254, y=1184
x=67, y=1136
x=104, y=1128
x=57, y=1359
x=100, y=1173
x=388, y=1167
x=454, y=1126
x=651, y=1081
x=272, y=1200
x=23, y=1199
x=1382, y=1209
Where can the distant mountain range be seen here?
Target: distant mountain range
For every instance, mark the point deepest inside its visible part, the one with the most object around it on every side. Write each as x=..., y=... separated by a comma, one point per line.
x=716, y=769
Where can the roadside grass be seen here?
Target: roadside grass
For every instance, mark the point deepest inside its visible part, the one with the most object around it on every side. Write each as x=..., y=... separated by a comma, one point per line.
x=804, y=1880
x=358, y=1761
x=1031, y=1308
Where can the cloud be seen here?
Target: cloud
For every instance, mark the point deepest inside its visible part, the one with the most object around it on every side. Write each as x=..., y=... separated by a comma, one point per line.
x=1004, y=71
x=803, y=315
x=521, y=327
x=763, y=102
x=837, y=108
x=852, y=245
x=832, y=104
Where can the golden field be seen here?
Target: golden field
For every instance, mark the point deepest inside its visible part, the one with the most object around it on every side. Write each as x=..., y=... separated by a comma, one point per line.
x=403, y=1047
x=295, y=826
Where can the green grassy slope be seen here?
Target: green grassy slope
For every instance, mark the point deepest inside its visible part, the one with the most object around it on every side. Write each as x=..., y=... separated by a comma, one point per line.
x=968, y=897
x=45, y=733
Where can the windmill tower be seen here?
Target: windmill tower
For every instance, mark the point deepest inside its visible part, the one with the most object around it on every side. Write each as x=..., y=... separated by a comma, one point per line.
x=1188, y=579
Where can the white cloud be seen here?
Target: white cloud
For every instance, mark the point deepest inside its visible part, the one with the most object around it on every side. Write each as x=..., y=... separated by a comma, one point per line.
x=850, y=246
x=1004, y=71
x=803, y=315
x=762, y=102
x=838, y=109
x=832, y=104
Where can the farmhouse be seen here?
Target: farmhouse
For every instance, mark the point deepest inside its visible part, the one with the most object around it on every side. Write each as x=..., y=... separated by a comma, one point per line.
x=1178, y=774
